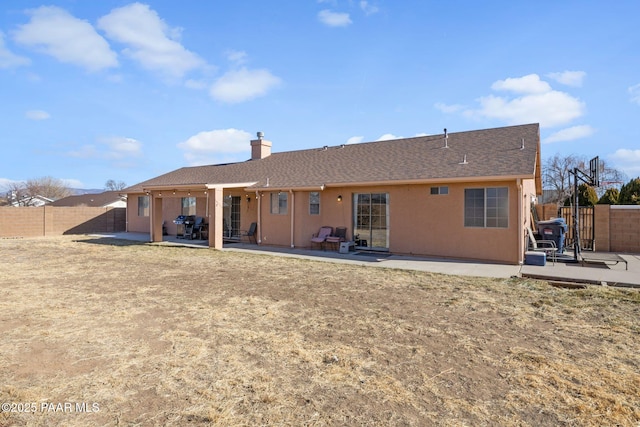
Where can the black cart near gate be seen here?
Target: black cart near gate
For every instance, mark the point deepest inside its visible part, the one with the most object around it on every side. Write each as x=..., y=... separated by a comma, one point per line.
x=553, y=229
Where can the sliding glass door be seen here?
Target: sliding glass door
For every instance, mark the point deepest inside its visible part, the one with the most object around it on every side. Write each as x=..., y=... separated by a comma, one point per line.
x=371, y=219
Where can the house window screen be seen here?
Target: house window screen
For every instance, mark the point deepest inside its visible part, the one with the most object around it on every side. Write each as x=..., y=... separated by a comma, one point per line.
x=440, y=190
x=279, y=203
x=143, y=206
x=314, y=203
x=188, y=206
x=486, y=207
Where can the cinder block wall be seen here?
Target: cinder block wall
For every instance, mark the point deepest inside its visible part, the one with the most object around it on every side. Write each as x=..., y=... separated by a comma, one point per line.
x=58, y=220
x=624, y=229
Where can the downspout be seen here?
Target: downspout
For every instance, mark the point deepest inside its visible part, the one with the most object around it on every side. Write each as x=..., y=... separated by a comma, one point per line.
x=259, y=197
x=521, y=221
x=293, y=211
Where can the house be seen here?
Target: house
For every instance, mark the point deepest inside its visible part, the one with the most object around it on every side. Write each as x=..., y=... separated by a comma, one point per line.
x=14, y=199
x=106, y=199
x=460, y=194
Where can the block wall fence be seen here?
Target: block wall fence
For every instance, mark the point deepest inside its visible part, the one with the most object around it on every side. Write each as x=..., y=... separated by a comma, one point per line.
x=57, y=220
x=616, y=227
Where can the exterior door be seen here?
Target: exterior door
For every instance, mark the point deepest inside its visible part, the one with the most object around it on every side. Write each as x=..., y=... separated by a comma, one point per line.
x=371, y=219
x=231, y=216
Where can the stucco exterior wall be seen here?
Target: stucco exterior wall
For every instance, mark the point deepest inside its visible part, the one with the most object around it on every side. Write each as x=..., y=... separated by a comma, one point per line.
x=419, y=223
x=172, y=207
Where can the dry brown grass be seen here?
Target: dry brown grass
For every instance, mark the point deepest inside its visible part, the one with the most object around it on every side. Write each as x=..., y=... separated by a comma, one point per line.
x=160, y=335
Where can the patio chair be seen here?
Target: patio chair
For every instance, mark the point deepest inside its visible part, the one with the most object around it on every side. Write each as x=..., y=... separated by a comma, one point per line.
x=339, y=236
x=199, y=227
x=251, y=233
x=547, y=246
x=321, y=237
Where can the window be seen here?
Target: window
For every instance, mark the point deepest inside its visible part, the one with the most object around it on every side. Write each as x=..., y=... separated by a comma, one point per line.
x=279, y=203
x=314, y=203
x=440, y=190
x=486, y=207
x=188, y=206
x=143, y=205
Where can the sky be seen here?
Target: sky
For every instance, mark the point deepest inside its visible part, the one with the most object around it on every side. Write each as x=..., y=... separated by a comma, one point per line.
x=93, y=91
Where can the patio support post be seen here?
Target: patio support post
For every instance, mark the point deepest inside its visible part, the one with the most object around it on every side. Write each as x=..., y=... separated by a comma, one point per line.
x=156, y=218
x=523, y=220
x=215, y=217
x=259, y=197
x=293, y=211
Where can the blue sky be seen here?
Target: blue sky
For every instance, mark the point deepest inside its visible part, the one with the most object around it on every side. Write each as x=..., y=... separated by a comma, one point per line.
x=99, y=90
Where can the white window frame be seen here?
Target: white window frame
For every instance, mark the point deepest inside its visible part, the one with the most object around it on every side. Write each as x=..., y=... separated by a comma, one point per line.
x=491, y=204
x=188, y=206
x=442, y=190
x=279, y=203
x=143, y=206
x=314, y=205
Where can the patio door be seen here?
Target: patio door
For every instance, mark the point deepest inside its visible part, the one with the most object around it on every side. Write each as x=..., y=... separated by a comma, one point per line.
x=231, y=216
x=371, y=219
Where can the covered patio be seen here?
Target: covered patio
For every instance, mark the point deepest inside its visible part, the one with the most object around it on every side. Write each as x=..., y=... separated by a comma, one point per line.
x=226, y=209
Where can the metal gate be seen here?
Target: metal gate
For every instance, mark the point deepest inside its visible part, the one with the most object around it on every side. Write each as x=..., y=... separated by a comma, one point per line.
x=585, y=220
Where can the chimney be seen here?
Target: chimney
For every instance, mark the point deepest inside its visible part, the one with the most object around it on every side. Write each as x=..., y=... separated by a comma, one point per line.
x=260, y=148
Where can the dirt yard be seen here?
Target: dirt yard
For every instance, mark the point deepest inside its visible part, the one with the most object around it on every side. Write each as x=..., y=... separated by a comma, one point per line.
x=108, y=332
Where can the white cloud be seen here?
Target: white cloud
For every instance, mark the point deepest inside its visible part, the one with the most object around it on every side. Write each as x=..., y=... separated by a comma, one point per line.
x=110, y=148
x=388, y=137
x=151, y=42
x=570, y=134
x=634, y=91
x=355, y=140
x=367, y=8
x=237, y=56
x=215, y=146
x=6, y=184
x=527, y=84
x=9, y=59
x=121, y=147
x=549, y=109
x=243, y=84
x=628, y=161
x=54, y=31
x=535, y=101
x=569, y=78
x=37, y=115
x=454, y=108
x=334, y=19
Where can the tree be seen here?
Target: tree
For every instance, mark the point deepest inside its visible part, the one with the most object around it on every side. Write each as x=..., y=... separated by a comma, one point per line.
x=586, y=196
x=556, y=176
x=630, y=193
x=25, y=193
x=610, y=197
x=112, y=185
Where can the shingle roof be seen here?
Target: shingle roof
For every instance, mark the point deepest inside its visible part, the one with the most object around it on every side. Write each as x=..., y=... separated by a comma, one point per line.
x=498, y=152
x=91, y=200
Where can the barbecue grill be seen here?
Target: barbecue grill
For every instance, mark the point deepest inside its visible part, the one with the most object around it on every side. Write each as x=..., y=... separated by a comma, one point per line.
x=185, y=226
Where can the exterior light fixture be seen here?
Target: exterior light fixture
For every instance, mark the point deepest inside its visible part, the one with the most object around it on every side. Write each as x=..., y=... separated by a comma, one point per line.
x=248, y=198
x=340, y=198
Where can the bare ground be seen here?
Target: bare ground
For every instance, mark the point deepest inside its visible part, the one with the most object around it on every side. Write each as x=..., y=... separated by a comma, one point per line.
x=135, y=334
